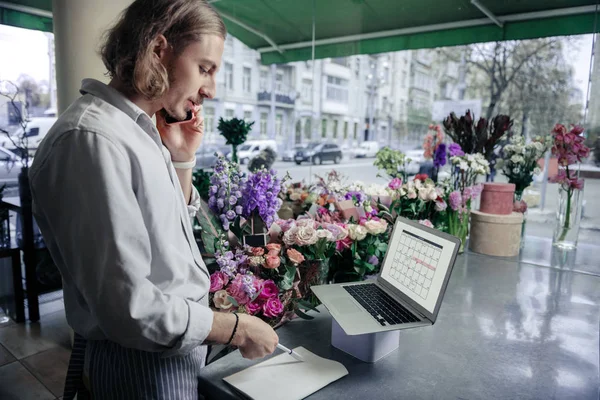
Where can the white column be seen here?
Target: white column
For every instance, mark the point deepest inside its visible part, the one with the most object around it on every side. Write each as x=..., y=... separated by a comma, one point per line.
x=78, y=27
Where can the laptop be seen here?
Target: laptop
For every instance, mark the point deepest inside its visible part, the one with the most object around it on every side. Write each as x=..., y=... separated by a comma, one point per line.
x=409, y=289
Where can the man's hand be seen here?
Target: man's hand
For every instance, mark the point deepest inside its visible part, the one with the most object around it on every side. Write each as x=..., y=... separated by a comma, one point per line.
x=183, y=139
x=254, y=337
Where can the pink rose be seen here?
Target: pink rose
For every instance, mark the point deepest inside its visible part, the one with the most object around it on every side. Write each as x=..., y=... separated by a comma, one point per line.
x=520, y=206
x=217, y=281
x=236, y=290
x=221, y=300
x=395, y=183
x=254, y=307
x=269, y=289
x=257, y=251
x=426, y=222
x=272, y=307
x=272, y=262
x=273, y=247
x=295, y=256
x=341, y=245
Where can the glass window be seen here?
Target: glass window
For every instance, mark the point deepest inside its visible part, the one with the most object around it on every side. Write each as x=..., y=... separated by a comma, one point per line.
x=324, y=128
x=263, y=123
x=335, y=128
x=228, y=76
x=306, y=90
x=209, y=122
x=229, y=113
x=345, y=130
x=248, y=116
x=247, y=83
x=264, y=80
x=278, y=124
x=32, y=132
x=337, y=89
x=279, y=81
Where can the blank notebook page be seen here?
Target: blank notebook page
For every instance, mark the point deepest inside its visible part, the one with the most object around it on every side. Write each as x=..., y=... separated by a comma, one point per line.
x=285, y=378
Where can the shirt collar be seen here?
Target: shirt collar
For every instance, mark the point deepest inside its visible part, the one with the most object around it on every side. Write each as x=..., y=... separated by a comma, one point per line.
x=118, y=100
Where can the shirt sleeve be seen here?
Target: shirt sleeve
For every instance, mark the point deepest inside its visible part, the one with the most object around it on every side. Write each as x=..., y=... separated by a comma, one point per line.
x=85, y=201
x=194, y=205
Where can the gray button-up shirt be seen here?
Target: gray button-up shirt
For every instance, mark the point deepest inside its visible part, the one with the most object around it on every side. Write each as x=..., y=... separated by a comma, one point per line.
x=110, y=207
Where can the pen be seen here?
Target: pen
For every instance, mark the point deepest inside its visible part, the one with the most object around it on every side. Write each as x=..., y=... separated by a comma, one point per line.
x=290, y=352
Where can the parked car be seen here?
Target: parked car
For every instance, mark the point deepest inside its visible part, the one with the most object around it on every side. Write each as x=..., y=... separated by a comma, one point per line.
x=288, y=155
x=205, y=155
x=37, y=128
x=251, y=148
x=319, y=152
x=416, y=157
x=10, y=166
x=366, y=149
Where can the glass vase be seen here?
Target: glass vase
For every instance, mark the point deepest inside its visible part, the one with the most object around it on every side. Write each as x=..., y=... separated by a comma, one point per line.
x=519, y=197
x=458, y=225
x=568, y=218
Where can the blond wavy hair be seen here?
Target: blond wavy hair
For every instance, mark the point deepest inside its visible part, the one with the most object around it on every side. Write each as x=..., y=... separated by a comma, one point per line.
x=126, y=48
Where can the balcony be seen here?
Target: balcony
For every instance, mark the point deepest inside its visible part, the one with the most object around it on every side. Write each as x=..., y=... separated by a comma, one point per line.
x=281, y=99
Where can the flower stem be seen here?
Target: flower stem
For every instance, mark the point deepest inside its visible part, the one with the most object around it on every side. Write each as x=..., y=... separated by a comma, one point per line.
x=567, y=224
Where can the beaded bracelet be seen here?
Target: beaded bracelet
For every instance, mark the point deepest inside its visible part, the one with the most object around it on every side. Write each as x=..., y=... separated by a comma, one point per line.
x=237, y=319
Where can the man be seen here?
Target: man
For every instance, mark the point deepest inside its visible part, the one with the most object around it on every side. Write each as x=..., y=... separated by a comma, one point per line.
x=113, y=196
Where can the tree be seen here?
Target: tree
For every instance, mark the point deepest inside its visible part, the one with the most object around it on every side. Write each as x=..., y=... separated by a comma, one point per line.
x=35, y=95
x=544, y=91
x=497, y=65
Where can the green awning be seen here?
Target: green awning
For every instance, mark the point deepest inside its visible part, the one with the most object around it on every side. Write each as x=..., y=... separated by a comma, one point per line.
x=281, y=30
x=29, y=14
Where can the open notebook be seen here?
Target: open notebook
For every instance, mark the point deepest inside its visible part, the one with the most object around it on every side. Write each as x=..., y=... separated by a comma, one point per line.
x=284, y=378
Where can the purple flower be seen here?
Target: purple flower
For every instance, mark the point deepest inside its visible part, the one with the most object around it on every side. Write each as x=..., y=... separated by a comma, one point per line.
x=232, y=200
x=260, y=195
x=439, y=159
x=455, y=150
x=230, y=215
x=373, y=260
x=455, y=200
x=238, y=210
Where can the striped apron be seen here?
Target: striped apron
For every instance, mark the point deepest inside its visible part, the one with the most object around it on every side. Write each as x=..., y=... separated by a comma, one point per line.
x=116, y=372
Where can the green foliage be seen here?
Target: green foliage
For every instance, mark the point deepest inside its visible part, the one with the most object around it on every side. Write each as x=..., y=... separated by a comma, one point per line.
x=392, y=162
x=597, y=151
x=201, y=180
x=235, y=131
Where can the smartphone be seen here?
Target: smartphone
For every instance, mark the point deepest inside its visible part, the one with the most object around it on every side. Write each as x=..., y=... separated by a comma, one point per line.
x=172, y=121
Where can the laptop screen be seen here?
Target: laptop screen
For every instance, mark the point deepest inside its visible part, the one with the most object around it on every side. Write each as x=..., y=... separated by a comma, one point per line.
x=416, y=263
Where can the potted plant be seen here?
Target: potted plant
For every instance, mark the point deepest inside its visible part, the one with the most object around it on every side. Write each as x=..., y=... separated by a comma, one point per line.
x=235, y=131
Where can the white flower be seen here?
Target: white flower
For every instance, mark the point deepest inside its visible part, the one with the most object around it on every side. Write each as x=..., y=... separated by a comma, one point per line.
x=357, y=232
x=375, y=227
x=536, y=171
x=325, y=234
x=368, y=209
x=294, y=196
x=517, y=170
x=464, y=166
x=517, y=159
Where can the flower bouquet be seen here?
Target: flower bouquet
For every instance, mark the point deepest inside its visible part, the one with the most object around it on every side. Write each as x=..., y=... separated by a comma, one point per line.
x=569, y=148
x=260, y=281
x=519, y=163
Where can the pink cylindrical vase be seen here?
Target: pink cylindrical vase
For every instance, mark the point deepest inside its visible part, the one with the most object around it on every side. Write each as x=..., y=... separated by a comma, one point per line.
x=497, y=198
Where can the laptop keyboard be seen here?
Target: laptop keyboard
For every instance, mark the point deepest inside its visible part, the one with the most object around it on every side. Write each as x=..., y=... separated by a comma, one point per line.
x=380, y=305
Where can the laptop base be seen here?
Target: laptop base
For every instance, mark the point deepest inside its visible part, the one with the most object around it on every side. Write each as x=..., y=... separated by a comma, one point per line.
x=369, y=348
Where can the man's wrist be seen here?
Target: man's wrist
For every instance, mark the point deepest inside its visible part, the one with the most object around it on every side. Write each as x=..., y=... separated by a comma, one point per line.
x=240, y=335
